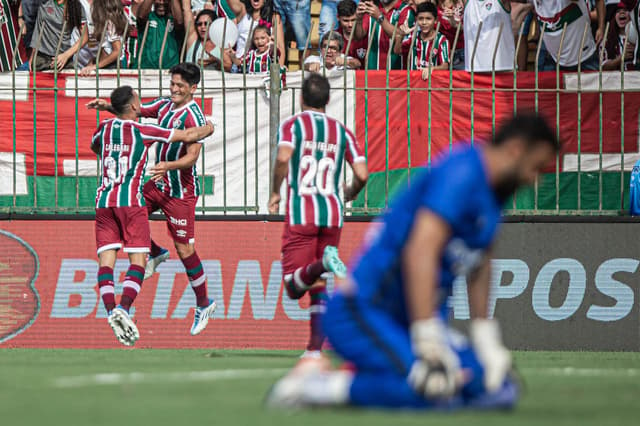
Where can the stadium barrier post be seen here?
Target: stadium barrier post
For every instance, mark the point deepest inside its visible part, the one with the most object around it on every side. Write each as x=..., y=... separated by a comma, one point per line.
x=584, y=38
x=600, y=109
x=35, y=120
x=429, y=88
x=562, y=35
x=274, y=104
x=622, y=70
x=164, y=44
x=202, y=94
x=473, y=57
x=14, y=110
x=386, y=115
x=515, y=93
x=366, y=116
x=77, y=126
x=410, y=60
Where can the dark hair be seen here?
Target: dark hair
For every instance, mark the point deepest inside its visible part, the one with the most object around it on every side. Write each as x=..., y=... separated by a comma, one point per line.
x=120, y=98
x=266, y=13
x=347, y=8
x=332, y=36
x=531, y=128
x=427, y=7
x=315, y=91
x=73, y=14
x=210, y=13
x=188, y=71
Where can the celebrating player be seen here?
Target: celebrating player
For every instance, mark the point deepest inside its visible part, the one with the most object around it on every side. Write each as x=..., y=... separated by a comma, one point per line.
x=121, y=215
x=389, y=320
x=311, y=151
x=175, y=187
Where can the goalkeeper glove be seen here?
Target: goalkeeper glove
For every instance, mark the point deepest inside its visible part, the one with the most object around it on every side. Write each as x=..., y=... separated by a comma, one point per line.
x=496, y=359
x=434, y=374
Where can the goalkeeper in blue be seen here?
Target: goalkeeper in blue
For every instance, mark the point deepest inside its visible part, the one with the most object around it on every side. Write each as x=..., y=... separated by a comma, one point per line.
x=389, y=320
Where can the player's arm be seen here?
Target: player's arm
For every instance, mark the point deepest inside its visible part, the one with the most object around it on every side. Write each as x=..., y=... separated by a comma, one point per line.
x=485, y=334
x=360, y=177
x=101, y=105
x=192, y=134
x=421, y=260
x=185, y=162
x=280, y=170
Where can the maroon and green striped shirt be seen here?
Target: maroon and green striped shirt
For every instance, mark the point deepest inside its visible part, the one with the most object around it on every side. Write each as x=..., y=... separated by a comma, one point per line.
x=9, y=36
x=123, y=153
x=320, y=144
x=178, y=183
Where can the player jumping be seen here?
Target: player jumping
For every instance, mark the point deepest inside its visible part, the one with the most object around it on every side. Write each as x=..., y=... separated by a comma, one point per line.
x=121, y=216
x=390, y=320
x=311, y=150
x=175, y=187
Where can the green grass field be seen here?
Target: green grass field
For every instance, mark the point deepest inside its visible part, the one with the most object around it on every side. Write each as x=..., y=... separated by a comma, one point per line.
x=191, y=387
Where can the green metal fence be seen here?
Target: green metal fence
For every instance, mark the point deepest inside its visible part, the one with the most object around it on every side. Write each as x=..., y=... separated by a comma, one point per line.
x=45, y=167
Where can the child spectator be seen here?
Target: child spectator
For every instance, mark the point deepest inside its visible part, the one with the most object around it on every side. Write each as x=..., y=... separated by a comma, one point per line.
x=493, y=15
x=52, y=14
x=450, y=13
x=259, y=57
x=254, y=13
x=347, y=19
x=108, y=18
x=430, y=48
x=612, y=51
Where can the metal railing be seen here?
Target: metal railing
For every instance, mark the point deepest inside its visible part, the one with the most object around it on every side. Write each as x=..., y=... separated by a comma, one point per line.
x=235, y=168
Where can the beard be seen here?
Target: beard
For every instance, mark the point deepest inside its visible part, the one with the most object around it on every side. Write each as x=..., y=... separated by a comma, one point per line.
x=506, y=187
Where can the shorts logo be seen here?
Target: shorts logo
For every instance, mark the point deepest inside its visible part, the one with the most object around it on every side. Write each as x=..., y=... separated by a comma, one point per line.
x=19, y=300
x=181, y=233
x=179, y=222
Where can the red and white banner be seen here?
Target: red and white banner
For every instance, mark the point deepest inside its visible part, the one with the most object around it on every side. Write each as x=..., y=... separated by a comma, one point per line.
x=49, y=296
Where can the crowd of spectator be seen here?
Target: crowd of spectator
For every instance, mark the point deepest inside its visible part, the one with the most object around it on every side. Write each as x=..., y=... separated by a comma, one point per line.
x=476, y=35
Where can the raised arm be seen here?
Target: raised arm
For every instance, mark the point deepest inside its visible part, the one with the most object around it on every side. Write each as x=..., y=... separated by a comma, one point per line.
x=143, y=11
x=176, y=12
x=189, y=20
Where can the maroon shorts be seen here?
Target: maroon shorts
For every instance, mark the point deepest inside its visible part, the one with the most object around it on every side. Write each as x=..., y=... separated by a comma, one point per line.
x=118, y=225
x=180, y=212
x=304, y=244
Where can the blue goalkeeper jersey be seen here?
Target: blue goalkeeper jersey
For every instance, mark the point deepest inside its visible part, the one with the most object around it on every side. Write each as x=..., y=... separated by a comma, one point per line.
x=457, y=190
x=634, y=191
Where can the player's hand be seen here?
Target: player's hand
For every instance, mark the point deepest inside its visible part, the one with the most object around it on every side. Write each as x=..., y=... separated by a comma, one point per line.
x=159, y=170
x=274, y=203
x=425, y=74
x=496, y=359
x=436, y=373
x=213, y=127
x=99, y=104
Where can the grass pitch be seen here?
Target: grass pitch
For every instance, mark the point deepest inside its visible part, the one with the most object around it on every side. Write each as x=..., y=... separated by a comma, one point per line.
x=226, y=388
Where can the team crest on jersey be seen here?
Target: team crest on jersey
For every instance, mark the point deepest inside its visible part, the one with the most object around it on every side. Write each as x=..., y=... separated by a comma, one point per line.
x=488, y=5
x=177, y=123
x=361, y=52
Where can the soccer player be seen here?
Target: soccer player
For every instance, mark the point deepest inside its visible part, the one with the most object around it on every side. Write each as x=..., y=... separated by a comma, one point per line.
x=311, y=150
x=121, y=215
x=389, y=319
x=174, y=187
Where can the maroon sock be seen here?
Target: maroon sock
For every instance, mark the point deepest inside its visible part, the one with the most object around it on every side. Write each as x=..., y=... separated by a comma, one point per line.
x=105, y=284
x=155, y=249
x=131, y=285
x=317, y=309
x=197, y=278
x=310, y=273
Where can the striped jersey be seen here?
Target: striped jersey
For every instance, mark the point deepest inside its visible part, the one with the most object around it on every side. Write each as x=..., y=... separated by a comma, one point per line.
x=258, y=62
x=380, y=45
x=179, y=183
x=554, y=14
x=223, y=9
x=123, y=152
x=320, y=144
x=129, y=57
x=357, y=48
x=9, y=35
x=421, y=49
